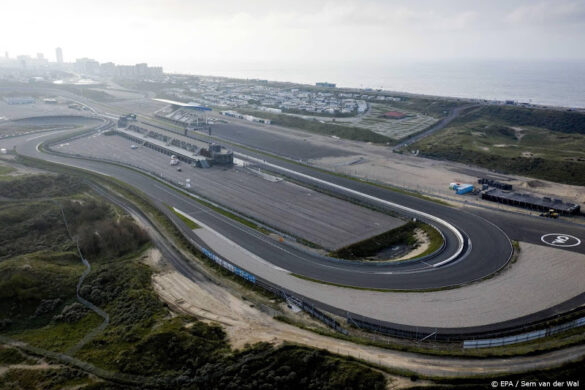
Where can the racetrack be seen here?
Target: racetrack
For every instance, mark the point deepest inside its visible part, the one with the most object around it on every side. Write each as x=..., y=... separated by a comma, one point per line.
x=485, y=257
x=296, y=147
x=487, y=247
x=329, y=222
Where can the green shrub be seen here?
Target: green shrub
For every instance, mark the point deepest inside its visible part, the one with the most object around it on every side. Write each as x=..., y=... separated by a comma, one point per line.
x=555, y=120
x=41, y=186
x=31, y=227
x=175, y=348
x=402, y=235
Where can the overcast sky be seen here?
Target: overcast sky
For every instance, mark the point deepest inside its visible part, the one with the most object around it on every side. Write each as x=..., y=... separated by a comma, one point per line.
x=185, y=35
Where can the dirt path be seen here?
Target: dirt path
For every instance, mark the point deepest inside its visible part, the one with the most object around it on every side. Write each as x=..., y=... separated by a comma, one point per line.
x=243, y=323
x=246, y=324
x=41, y=365
x=201, y=295
x=94, y=332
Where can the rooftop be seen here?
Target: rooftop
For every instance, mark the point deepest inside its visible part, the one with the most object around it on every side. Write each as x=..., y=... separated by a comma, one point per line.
x=163, y=145
x=545, y=202
x=193, y=105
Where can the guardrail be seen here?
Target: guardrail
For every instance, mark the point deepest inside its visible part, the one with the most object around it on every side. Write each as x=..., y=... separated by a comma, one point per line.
x=279, y=292
x=361, y=323
x=303, y=304
x=520, y=338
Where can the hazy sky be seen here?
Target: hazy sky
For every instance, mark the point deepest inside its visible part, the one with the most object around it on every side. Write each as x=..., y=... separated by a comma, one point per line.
x=185, y=35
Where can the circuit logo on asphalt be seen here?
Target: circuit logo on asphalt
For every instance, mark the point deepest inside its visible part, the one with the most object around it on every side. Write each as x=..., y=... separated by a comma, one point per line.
x=560, y=240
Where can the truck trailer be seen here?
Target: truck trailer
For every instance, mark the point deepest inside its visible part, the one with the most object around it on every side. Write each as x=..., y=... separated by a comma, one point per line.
x=461, y=189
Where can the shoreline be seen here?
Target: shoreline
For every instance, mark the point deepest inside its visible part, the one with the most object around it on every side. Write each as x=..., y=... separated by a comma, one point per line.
x=524, y=102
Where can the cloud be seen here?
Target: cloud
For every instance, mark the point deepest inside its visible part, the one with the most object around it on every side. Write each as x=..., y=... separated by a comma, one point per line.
x=549, y=12
x=374, y=14
x=230, y=31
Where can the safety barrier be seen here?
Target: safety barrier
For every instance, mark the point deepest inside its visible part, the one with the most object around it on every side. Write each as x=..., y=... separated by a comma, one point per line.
x=520, y=338
x=396, y=332
x=230, y=267
x=287, y=296
x=304, y=305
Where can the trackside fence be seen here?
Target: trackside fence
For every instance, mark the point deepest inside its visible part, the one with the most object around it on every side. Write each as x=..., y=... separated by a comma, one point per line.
x=520, y=338
x=307, y=307
x=362, y=323
x=286, y=295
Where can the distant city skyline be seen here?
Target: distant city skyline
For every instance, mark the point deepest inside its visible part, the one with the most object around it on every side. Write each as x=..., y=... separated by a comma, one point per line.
x=193, y=36
x=59, y=55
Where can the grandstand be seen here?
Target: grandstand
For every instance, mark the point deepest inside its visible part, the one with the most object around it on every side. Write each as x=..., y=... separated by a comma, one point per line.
x=191, y=115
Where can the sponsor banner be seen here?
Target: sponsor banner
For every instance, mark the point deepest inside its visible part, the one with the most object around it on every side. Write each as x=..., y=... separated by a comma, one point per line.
x=230, y=267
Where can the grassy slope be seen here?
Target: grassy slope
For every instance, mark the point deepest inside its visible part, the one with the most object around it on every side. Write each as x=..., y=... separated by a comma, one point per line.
x=33, y=228
x=550, y=145
x=436, y=107
x=10, y=356
x=403, y=235
x=49, y=379
x=5, y=170
x=314, y=126
x=142, y=338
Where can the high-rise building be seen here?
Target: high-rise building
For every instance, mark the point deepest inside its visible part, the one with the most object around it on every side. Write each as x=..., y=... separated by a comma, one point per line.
x=87, y=66
x=141, y=69
x=59, y=54
x=108, y=69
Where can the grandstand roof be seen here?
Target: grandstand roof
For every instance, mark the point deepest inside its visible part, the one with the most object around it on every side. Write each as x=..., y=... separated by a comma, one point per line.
x=191, y=105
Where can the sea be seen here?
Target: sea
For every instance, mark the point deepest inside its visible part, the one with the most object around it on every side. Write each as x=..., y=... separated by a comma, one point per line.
x=551, y=83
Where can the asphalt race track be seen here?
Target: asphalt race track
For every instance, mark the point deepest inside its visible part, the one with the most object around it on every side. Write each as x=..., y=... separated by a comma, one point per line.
x=321, y=219
x=486, y=249
x=294, y=148
x=518, y=227
x=482, y=258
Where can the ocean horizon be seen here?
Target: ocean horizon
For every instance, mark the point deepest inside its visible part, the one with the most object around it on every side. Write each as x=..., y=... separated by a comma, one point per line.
x=551, y=83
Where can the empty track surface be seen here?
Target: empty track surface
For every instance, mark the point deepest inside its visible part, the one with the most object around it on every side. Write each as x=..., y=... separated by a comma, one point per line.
x=287, y=207
x=489, y=250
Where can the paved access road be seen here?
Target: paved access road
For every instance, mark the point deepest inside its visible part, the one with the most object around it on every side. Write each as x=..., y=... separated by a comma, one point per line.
x=528, y=228
x=438, y=126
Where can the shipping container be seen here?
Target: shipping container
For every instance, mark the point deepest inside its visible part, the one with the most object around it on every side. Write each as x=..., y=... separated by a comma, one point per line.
x=464, y=189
